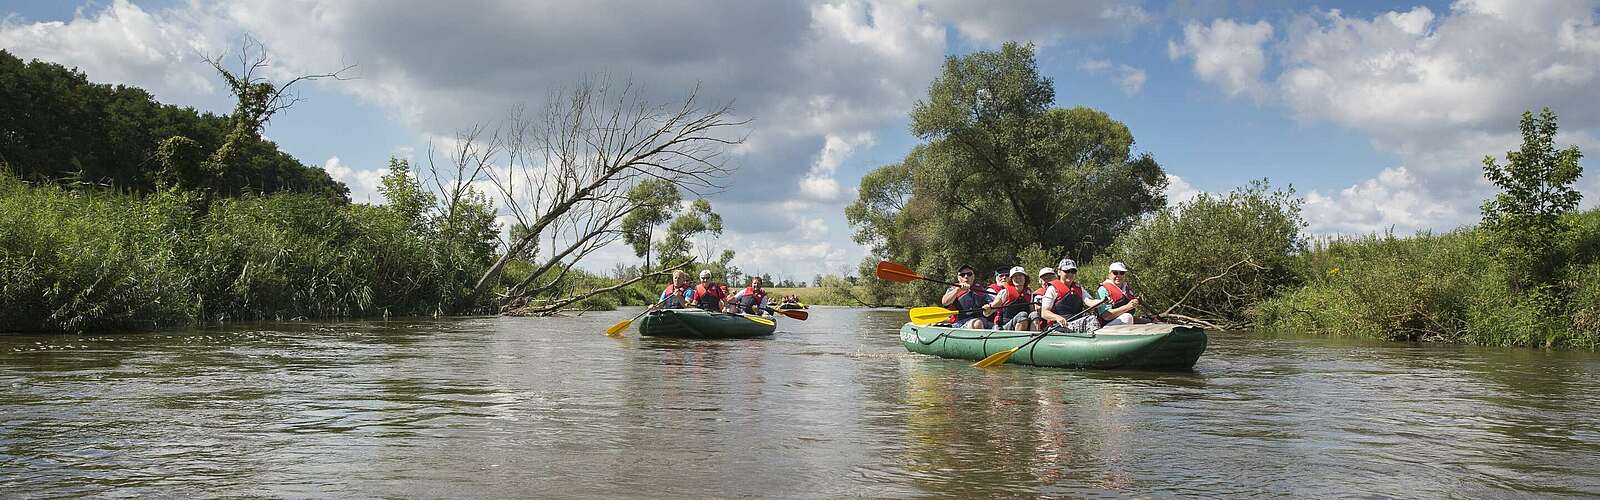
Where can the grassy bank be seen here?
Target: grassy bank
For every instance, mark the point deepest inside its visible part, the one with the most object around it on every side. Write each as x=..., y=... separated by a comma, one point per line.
x=1446, y=287
x=82, y=260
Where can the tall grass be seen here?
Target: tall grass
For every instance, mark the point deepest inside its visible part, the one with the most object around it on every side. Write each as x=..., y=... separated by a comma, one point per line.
x=1445, y=287
x=95, y=260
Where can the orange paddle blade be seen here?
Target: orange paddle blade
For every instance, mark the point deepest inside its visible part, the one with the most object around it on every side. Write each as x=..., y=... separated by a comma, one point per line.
x=896, y=272
x=800, y=315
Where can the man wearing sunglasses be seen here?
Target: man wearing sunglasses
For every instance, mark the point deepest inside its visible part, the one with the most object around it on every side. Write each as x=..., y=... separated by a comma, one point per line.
x=968, y=300
x=1122, y=300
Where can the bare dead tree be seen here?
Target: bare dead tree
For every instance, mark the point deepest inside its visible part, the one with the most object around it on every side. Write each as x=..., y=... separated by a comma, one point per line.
x=568, y=170
x=259, y=97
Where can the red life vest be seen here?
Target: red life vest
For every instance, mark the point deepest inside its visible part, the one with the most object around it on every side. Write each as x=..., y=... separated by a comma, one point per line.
x=968, y=304
x=1069, y=299
x=1118, y=296
x=1017, y=300
x=672, y=297
x=709, y=297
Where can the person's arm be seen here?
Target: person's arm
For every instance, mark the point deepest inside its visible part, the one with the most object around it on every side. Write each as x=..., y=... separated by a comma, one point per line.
x=1047, y=303
x=999, y=300
x=1089, y=300
x=949, y=299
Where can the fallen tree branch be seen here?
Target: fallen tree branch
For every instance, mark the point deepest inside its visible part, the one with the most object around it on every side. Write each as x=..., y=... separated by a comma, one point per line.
x=1225, y=272
x=1193, y=321
x=554, y=307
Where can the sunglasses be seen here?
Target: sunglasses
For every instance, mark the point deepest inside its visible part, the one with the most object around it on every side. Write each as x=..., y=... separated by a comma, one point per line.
x=968, y=273
x=1119, y=273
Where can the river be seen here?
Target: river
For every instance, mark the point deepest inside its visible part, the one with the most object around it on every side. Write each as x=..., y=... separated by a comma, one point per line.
x=834, y=406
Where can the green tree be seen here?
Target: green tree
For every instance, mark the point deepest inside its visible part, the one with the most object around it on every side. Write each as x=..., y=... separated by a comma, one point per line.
x=1525, y=218
x=678, y=244
x=656, y=199
x=1000, y=171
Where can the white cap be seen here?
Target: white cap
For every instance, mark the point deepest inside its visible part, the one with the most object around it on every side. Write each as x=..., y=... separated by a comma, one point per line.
x=1118, y=266
x=1045, y=270
x=1066, y=264
x=705, y=273
x=1017, y=270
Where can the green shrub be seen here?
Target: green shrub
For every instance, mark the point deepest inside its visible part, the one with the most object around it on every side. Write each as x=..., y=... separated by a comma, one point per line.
x=1248, y=238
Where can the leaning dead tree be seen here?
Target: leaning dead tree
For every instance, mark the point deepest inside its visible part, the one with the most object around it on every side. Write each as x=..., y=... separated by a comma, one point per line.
x=567, y=171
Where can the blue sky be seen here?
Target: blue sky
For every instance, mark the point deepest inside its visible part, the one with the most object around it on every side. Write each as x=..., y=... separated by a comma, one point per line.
x=1377, y=112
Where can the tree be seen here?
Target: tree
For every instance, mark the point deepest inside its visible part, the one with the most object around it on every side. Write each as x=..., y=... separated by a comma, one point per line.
x=567, y=174
x=698, y=219
x=657, y=199
x=1000, y=171
x=57, y=125
x=1525, y=219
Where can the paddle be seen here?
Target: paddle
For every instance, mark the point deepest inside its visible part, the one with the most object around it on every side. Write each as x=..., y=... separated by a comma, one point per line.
x=901, y=274
x=793, y=313
x=1141, y=305
x=616, y=330
x=1000, y=358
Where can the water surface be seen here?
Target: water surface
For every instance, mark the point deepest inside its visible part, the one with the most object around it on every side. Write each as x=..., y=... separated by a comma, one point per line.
x=498, y=407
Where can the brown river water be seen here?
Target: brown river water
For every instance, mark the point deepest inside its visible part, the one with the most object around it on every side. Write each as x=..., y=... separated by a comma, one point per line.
x=831, y=407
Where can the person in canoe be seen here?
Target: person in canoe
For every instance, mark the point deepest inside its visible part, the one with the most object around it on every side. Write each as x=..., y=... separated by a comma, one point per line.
x=1122, y=300
x=752, y=300
x=968, y=300
x=1013, y=305
x=677, y=295
x=1061, y=298
x=709, y=295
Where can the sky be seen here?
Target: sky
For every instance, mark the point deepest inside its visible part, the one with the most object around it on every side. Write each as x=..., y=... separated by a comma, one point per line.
x=1378, y=113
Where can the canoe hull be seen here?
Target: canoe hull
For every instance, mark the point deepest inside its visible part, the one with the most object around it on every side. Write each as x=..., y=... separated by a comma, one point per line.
x=701, y=324
x=1139, y=347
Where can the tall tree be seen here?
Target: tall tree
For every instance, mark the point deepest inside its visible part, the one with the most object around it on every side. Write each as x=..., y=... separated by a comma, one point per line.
x=1525, y=218
x=1001, y=170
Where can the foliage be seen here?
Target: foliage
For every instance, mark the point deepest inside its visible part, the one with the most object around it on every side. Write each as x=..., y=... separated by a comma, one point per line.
x=1248, y=239
x=56, y=125
x=656, y=199
x=1000, y=170
x=1524, y=219
x=280, y=256
x=696, y=220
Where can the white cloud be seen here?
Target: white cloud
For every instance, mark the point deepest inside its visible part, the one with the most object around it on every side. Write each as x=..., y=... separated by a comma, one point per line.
x=1227, y=54
x=1128, y=78
x=1438, y=91
x=122, y=43
x=363, y=183
x=1179, y=190
x=819, y=183
x=1043, y=22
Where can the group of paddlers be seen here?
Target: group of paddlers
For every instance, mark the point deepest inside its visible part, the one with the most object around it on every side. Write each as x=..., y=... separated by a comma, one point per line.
x=1060, y=301
x=712, y=296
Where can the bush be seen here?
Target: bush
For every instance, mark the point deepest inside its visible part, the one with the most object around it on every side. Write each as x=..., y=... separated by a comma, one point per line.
x=1249, y=238
x=87, y=260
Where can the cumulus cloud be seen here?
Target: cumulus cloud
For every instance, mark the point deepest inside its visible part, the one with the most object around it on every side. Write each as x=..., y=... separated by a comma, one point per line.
x=1179, y=190
x=1438, y=90
x=1128, y=78
x=1226, y=53
x=1043, y=22
x=162, y=52
x=817, y=78
x=363, y=184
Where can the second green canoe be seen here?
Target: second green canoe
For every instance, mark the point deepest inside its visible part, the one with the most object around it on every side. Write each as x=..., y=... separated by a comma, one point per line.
x=703, y=324
x=1156, y=346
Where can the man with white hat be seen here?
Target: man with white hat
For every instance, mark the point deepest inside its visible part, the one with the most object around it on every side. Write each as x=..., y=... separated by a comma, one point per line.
x=708, y=295
x=1013, y=304
x=1122, y=301
x=1064, y=299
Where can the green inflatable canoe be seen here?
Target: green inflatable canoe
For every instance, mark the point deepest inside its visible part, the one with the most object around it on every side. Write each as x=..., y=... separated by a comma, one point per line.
x=703, y=324
x=1154, y=346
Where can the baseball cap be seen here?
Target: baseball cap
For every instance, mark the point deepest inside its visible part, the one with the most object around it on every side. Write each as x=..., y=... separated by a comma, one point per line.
x=1018, y=270
x=1118, y=266
x=1066, y=264
x=1045, y=270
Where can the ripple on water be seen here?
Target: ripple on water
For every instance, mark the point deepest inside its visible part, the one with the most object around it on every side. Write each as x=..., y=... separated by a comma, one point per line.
x=834, y=406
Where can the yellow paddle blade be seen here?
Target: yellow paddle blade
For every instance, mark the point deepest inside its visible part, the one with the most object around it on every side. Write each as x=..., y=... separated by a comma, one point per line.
x=998, y=358
x=923, y=316
x=761, y=320
x=616, y=330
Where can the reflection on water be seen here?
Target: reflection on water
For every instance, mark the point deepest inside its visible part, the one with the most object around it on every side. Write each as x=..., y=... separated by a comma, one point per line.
x=492, y=407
